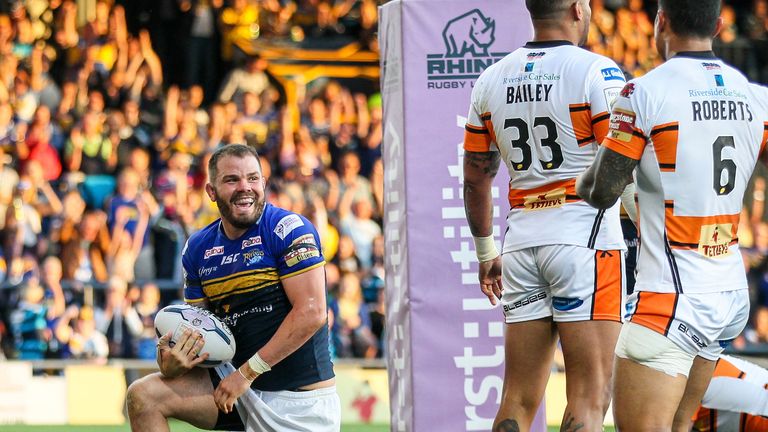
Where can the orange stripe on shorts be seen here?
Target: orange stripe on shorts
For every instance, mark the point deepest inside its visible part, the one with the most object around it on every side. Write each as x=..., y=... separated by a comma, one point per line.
x=655, y=310
x=607, y=298
x=724, y=368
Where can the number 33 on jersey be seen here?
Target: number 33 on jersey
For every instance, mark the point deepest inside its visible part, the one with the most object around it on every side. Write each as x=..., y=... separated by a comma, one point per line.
x=544, y=108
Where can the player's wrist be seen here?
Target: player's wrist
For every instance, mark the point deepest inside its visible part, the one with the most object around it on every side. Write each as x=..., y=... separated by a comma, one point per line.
x=258, y=365
x=485, y=248
x=247, y=373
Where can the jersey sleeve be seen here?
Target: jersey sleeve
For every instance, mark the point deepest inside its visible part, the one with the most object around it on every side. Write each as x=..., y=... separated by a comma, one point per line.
x=627, y=124
x=478, y=132
x=760, y=98
x=193, y=288
x=605, y=84
x=297, y=246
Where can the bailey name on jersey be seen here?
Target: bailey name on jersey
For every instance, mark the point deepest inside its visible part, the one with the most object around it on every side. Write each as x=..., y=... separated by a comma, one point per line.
x=529, y=93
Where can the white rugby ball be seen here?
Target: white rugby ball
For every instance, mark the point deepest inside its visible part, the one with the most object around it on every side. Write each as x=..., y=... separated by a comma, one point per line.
x=219, y=340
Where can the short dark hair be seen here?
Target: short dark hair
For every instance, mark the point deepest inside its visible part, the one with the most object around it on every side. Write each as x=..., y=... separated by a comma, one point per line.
x=237, y=150
x=546, y=9
x=692, y=18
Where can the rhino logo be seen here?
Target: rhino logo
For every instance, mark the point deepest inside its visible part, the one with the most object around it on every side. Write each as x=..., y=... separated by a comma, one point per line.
x=471, y=32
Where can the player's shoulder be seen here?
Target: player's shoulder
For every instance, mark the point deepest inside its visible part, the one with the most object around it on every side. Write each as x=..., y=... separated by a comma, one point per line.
x=202, y=237
x=759, y=96
x=283, y=222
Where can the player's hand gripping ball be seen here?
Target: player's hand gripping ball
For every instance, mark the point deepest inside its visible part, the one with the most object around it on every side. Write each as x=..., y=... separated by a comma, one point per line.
x=219, y=341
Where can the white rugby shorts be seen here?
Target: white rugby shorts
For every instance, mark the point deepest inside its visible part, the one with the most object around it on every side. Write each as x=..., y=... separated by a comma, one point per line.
x=282, y=411
x=569, y=283
x=700, y=324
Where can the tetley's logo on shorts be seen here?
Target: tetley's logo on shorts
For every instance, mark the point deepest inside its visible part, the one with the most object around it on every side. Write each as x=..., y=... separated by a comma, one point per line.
x=467, y=40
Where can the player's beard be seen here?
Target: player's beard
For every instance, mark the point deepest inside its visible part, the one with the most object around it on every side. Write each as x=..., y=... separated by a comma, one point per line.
x=242, y=221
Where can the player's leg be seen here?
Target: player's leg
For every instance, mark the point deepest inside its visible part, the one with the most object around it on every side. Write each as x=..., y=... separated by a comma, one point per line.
x=588, y=293
x=530, y=341
x=654, y=358
x=153, y=399
x=529, y=348
x=645, y=399
x=588, y=353
x=698, y=380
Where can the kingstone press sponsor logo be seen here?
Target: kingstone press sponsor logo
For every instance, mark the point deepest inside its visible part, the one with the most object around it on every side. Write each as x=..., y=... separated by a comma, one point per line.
x=467, y=41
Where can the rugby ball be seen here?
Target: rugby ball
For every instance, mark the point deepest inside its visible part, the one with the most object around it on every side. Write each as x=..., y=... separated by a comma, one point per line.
x=219, y=340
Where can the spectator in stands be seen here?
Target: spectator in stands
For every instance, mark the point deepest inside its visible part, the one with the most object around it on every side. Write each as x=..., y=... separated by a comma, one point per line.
x=84, y=246
x=9, y=178
x=352, y=317
x=88, y=150
x=29, y=322
x=355, y=222
x=76, y=331
x=199, y=25
x=249, y=78
x=119, y=320
x=239, y=26
x=147, y=307
x=39, y=145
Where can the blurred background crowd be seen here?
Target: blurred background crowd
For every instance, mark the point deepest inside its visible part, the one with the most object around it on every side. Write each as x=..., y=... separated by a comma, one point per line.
x=109, y=111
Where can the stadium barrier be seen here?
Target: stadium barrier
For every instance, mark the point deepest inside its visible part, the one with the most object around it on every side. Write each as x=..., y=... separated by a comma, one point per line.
x=84, y=393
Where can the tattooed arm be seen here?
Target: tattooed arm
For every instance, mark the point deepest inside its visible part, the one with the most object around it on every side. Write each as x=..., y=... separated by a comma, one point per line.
x=479, y=172
x=603, y=182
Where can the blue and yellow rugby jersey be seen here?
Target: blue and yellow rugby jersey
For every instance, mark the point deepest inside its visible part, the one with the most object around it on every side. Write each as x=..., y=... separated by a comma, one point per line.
x=241, y=280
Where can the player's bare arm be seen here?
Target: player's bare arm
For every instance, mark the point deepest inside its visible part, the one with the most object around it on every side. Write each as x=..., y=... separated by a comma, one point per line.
x=480, y=169
x=306, y=292
x=605, y=180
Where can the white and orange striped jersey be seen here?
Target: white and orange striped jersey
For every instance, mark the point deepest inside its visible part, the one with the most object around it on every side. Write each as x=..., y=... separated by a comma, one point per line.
x=545, y=108
x=694, y=125
x=736, y=399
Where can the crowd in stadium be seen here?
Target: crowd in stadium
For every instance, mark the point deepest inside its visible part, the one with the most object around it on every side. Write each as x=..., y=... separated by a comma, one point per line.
x=109, y=111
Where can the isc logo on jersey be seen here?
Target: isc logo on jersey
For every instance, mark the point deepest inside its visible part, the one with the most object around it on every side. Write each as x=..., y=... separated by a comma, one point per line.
x=229, y=259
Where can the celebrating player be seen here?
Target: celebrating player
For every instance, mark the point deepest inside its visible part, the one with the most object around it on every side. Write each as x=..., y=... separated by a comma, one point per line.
x=693, y=130
x=542, y=109
x=260, y=269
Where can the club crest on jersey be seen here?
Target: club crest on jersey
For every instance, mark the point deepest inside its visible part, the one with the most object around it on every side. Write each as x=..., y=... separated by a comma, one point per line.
x=612, y=73
x=545, y=200
x=529, y=67
x=252, y=241
x=216, y=250
x=622, y=125
x=253, y=257
x=628, y=90
x=715, y=240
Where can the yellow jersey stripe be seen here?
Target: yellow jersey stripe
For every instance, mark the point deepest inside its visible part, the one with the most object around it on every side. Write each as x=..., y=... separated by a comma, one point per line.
x=248, y=280
x=242, y=290
x=236, y=275
x=306, y=269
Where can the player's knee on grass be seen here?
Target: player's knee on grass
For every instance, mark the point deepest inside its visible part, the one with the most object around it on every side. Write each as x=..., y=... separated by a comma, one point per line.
x=139, y=395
